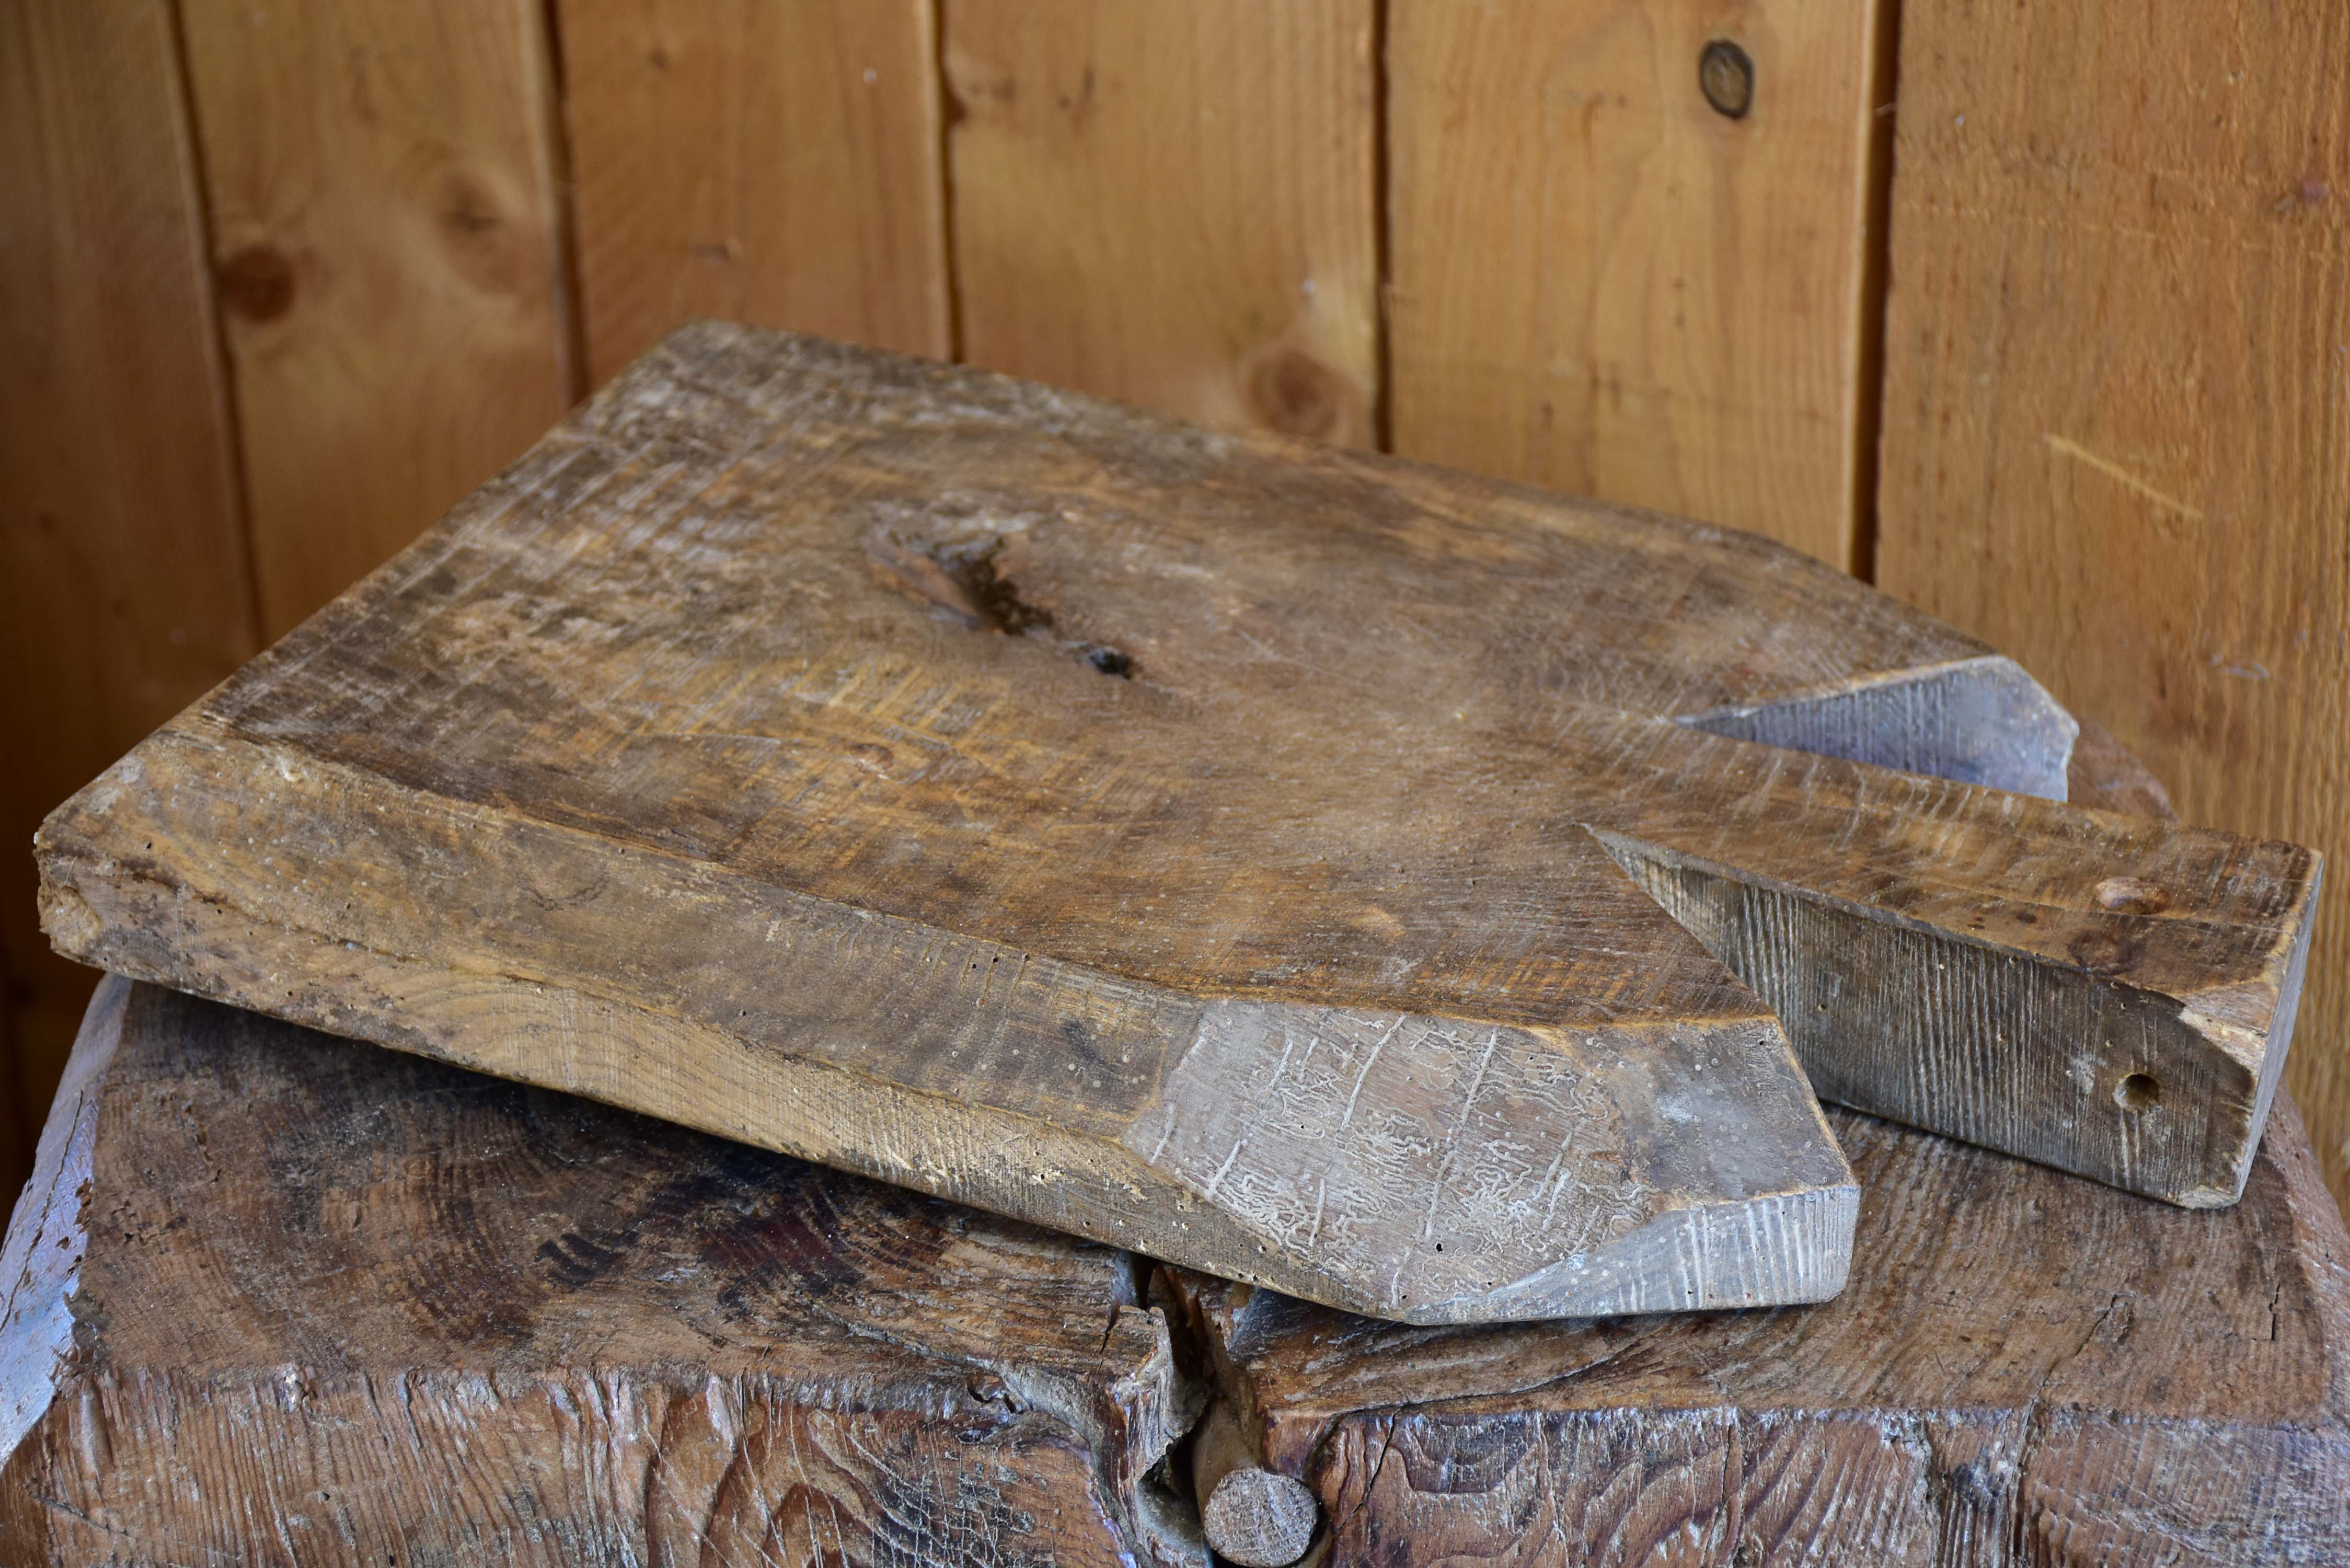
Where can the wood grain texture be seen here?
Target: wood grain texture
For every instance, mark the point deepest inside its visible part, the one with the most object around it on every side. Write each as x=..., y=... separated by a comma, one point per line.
x=1173, y=205
x=772, y=162
x=386, y=232
x=2117, y=384
x=2023, y=1368
x=125, y=589
x=330, y=1305
x=1603, y=285
x=1297, y=754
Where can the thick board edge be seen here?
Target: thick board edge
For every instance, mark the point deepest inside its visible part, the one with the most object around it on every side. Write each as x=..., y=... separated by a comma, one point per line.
x=1805, y=822
x=1493, y=1425
x=2130, y=470
x=1982, y=1466
x=100, y=1434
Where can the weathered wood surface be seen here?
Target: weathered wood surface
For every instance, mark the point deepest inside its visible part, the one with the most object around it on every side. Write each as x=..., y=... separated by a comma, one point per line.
x=275, y=1298
x=2024, y=1368
x=690, y=766
x=1250, y=1515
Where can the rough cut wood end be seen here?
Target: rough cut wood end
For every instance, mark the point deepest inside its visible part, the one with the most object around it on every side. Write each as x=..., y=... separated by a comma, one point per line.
x=1253, y=1516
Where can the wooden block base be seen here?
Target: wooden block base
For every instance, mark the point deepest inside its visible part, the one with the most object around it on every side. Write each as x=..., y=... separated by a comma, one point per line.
x=279, y=1298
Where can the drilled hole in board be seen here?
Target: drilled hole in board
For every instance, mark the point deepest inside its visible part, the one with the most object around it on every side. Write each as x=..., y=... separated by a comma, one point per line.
x=2139, y=1092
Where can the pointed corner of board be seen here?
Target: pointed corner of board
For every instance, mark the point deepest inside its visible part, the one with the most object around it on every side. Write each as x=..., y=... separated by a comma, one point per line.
x=1430, y=1169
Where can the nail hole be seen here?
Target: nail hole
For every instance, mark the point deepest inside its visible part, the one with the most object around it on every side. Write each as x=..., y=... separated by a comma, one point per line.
x=2139, y=1092
x=1725, y=74
x=2131, y=896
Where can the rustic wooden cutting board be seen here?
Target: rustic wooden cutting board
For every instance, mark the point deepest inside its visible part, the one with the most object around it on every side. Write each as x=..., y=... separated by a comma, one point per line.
x=1260, y=856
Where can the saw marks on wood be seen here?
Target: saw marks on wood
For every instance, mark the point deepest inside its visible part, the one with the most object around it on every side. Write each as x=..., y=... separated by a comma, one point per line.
x=1039, y=1087
x=349, y=1287
x=1325, y=1158
x=2022, y=1368
x=991, y=789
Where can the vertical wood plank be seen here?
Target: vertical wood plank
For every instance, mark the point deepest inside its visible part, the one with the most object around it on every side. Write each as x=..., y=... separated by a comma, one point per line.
x=1602, y=283
x=775, y=162
x=386, y=229
x=2118, y=401
x=1173, y=204
x=125, y=589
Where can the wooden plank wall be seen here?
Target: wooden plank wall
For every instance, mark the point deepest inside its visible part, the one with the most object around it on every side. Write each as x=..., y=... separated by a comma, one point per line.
x=772, y=161
x=387, y=234
x=1175, y=205
x=2118, y=401
x=1604, y=284
x=281, y=282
